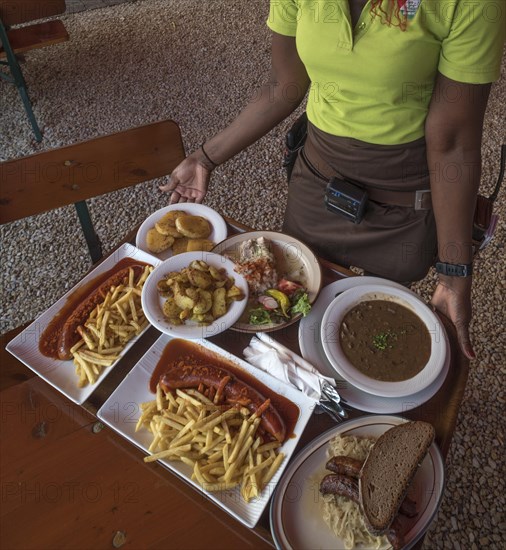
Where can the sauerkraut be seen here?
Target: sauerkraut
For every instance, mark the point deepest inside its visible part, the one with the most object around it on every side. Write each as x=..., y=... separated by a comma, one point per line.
x=342, y=515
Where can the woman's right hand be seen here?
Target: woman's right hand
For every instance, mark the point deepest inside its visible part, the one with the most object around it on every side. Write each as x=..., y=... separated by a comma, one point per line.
x=189, y=181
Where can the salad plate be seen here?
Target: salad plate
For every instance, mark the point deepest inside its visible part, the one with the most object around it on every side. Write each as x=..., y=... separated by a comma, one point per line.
x=284, y=278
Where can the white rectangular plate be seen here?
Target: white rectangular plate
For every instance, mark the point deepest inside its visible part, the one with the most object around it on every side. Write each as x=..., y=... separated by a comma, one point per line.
x=121, y=412
x=61, y=374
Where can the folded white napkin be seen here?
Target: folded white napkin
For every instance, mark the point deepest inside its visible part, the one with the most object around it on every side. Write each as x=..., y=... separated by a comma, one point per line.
x=269, y=355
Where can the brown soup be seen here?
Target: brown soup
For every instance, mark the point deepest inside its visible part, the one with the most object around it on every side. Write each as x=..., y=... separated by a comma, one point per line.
x=385, y=340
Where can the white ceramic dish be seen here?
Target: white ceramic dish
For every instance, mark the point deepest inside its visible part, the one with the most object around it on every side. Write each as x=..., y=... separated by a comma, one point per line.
x=152, y=302
x=292, y=257
x=332, y=320
x=121, y=412
x=218, y=224
x=61, y=374
x=312, y=350
x=296, y=517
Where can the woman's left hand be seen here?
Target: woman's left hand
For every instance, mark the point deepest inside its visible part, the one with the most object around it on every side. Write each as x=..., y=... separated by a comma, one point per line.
x=452, y=297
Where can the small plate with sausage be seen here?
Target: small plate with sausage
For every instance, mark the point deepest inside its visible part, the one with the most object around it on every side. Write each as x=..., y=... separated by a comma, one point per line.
x=76, y=343
x=223, y=426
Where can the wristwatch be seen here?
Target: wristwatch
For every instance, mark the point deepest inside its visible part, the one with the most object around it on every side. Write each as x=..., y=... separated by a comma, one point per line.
x=454, y=270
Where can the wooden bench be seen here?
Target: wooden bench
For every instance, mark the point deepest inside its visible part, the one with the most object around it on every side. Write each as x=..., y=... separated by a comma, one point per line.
x=36, y=36
x=15, y=41
x=88, y=169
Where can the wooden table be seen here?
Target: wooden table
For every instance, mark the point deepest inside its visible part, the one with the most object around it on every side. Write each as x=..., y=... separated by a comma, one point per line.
x=69, y=482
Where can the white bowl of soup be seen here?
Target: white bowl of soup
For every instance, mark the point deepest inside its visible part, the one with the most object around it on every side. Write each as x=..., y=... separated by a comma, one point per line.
x=384, y=341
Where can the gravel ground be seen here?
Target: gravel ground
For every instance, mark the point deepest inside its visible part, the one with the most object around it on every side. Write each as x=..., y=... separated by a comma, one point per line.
x=148, y=60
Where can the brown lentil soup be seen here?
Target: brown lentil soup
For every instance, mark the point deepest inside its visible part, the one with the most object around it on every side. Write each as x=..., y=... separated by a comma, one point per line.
x=385, y=340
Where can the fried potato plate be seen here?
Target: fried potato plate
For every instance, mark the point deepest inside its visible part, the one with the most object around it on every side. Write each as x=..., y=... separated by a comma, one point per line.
x=109, y=327
x=221, y=445
x=200, y=292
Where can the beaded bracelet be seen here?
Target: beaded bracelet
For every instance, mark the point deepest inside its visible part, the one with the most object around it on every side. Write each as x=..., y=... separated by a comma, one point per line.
x=207, y=156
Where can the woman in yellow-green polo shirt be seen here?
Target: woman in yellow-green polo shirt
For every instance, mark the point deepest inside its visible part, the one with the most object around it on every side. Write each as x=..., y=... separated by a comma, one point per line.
x=396, y=95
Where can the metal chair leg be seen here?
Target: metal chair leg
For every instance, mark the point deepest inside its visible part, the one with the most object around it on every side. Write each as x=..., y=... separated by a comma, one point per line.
x=19, y=81
x=28, y=108
x=92, y=240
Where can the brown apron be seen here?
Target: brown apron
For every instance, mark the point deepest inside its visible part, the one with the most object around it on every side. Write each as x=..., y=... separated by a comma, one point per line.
x=395, y=242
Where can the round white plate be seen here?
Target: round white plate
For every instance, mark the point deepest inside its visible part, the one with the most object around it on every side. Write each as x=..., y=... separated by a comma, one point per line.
x=330, y=327
x=291, y=256
x=312, y=350
x=218, y=225
x=152, y=302
x=295, y=514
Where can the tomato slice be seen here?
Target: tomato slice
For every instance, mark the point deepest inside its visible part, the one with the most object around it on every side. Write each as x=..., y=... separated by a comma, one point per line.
x=288, y=287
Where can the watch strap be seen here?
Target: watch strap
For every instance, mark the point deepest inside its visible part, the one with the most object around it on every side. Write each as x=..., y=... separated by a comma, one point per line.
x=454, y=270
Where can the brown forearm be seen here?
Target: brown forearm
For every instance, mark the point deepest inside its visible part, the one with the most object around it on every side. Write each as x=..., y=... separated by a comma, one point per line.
x=274, y=101
x=453, y=133
x=455, y=177
x=260, y=116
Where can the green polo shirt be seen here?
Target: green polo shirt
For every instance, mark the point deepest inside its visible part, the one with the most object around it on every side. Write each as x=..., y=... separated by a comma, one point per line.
x=374, y=82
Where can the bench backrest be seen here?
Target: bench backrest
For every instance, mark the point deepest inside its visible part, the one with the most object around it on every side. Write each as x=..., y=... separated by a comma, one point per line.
x=15, y=12
x=51, y=179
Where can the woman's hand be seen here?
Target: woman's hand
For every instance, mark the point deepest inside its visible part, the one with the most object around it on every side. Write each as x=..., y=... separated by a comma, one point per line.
x=452, y=297
x=189, y=180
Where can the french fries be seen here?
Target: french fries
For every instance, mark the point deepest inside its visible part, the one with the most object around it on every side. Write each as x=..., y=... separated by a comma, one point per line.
x=221, y=445
x=199, y=293
x=109, y=327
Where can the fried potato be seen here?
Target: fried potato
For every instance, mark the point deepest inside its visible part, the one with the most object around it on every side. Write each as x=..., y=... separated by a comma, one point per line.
x=199, y=278
x=166, y=225
x=193, y=227
x=204, y=303
x=180, y=246
x=172, y=311
x=199, y=292
x=156, y=242
x=195, y=245
x=219, y=302
x=222, y=447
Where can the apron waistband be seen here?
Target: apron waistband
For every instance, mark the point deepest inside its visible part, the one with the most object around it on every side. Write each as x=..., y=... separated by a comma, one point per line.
x=419, y=200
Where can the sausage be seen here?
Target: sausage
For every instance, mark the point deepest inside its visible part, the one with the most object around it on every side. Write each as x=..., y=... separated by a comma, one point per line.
x=69, y=336
x=345, y=465
x=342, y=485
x=395, y=534
x=234, y=391
x=351, y=467
x=339, y=484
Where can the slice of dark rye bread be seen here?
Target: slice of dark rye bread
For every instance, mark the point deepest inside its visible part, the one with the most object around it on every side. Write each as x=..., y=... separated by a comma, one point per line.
x=388, y=471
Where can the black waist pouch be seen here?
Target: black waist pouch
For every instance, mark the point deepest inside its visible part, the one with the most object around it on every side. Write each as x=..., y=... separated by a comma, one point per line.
x=294, y=141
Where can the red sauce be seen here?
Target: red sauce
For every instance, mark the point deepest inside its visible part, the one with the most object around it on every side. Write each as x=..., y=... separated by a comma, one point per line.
x=48, y=342
x=178, y=350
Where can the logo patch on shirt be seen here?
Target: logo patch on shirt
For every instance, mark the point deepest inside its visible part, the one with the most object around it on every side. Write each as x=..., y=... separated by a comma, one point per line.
x=410, y=8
